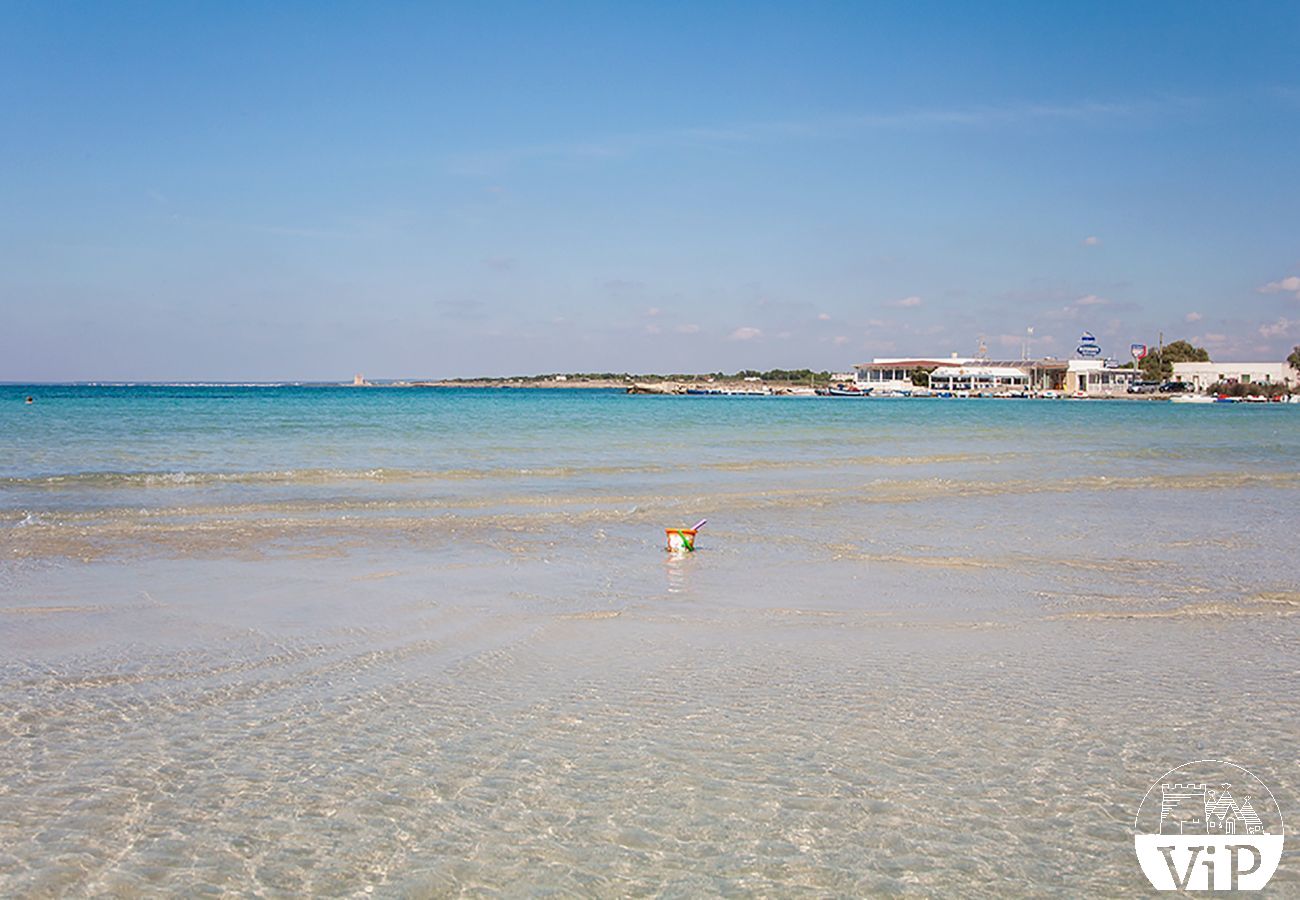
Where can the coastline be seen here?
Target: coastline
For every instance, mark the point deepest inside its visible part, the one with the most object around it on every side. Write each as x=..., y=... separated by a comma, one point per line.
x=729, y=387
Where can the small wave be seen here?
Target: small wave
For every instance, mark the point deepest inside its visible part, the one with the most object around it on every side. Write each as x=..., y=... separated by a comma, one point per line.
x=50, y=610
x=193, y=479
x=847, y=551
x=1285, y=603
x=164, y=479
x=189, y=384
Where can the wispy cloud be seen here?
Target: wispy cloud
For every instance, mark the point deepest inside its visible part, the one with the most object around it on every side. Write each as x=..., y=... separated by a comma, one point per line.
x=1004, y=115
x=1089, y=305
x=908, y=302
x=1091, y=241
x=687, y=328
x=1010, y=341
x=463, y=309
x=620, y=285
x=1288, y=285
x=1287, y=92
x=1283, y=327
x=297, y=232
x=745, y=333
x=1193, y=317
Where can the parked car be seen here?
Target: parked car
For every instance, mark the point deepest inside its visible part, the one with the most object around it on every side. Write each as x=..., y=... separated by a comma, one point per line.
x=1174, y=387
x=1143, y=387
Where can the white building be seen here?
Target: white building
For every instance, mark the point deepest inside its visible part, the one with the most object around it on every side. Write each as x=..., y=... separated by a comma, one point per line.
x=1099, y=377
x=997, y=379
x=1201, y=375
x=963, y=374
x=886, y=374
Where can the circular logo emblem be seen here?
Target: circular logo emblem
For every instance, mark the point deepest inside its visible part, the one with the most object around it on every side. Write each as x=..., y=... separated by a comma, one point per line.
x=1208, y=825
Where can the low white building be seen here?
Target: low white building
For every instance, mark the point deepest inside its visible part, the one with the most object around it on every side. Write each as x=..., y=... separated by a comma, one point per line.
x=1202, y=375
x=1099, y=377
x=885, y=374
x=978, y=378
x=963, y=374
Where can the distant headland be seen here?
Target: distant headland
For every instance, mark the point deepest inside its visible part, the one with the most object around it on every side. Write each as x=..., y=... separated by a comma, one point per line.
x=772, y=380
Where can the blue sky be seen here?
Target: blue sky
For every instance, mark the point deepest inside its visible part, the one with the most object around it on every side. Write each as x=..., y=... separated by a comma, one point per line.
x=267, y=191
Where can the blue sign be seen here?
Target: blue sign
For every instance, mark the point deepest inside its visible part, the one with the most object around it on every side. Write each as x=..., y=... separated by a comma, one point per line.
x=1087, y=337
x=1088, y=350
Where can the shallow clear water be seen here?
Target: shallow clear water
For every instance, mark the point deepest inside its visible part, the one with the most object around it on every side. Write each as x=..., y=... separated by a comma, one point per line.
x=425, y=641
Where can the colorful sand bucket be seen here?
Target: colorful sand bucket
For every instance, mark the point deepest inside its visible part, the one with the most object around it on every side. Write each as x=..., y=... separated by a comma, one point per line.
x=680, y=540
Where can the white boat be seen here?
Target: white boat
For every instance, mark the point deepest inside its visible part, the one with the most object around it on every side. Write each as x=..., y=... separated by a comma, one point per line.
x=1192, y=398
x=842, y=390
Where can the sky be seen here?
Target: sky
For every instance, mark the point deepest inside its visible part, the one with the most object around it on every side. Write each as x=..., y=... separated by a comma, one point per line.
x=240, y=191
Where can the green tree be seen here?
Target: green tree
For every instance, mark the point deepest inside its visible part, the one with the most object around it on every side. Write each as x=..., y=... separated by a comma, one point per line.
x=921, y=376
x=1159, y=366
x=1294, y=359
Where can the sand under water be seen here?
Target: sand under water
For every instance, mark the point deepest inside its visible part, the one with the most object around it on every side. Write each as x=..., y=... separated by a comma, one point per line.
x=424, y=642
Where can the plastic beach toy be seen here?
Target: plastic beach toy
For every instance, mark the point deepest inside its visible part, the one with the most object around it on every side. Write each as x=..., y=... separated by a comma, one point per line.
x=682, y=540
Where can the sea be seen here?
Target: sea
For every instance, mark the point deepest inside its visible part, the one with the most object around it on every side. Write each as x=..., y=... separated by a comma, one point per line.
x=422, y=642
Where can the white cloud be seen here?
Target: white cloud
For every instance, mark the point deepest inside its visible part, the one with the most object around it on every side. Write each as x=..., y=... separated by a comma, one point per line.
x=745, y=333
x=909, y=302
x=825, y=317
x=687, y=329
x=653, y=311
x=653, y=329
x=1091, y=241
x=1288, y=285
x=1193, y=317
x=840, y=340
x=1072, y=311
x=1283, y=327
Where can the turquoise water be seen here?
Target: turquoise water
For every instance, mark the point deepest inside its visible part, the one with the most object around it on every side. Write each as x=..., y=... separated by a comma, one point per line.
x=426, y=641
x=76, y=444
